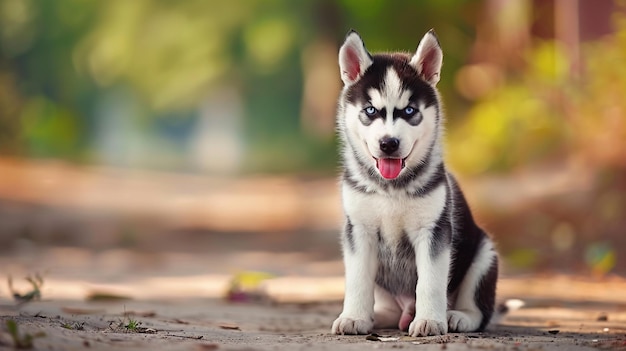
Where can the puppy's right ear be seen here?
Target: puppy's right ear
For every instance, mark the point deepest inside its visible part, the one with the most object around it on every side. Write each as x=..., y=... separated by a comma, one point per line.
x=428, y=58
x=353, y=58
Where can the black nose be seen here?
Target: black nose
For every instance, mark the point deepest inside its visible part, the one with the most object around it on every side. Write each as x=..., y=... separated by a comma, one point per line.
x=389, y=145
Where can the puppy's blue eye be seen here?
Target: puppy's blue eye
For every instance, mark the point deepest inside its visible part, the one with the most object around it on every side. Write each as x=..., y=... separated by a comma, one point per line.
x=409, y=111
x=370, y=111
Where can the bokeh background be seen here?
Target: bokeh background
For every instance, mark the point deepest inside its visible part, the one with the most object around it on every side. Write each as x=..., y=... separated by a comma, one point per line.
x=186, y=137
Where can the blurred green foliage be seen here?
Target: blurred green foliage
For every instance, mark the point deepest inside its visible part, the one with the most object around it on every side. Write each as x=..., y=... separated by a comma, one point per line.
x=127, y=82
x=547, y=112
x=78, y=76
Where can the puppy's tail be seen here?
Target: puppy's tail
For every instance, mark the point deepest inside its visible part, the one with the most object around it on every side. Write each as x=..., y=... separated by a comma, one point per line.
x=504, y=308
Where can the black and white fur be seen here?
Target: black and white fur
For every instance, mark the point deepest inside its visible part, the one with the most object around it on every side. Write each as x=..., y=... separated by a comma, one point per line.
x=414, y=257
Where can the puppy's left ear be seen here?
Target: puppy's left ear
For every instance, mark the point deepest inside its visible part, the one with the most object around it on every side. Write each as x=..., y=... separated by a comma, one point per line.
x=428, y=58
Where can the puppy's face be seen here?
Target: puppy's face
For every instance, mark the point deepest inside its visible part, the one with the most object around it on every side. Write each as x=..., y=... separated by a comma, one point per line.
x=390, y=109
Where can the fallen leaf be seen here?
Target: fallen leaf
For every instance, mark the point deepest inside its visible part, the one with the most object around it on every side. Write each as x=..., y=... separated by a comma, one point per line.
x=229, y=326
x=144, y=330
x=187, y=337
x=75, y=310
x=106, y=296
x=372, y=337
x=388, y=339
x=245, y=286
x=207, y=347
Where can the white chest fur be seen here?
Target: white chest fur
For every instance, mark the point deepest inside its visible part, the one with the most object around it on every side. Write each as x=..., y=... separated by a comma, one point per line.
x=393, y=214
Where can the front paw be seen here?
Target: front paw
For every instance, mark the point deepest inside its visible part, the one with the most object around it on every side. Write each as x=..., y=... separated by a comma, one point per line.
x=347, y=325
x=426, y=327
x=462, y=322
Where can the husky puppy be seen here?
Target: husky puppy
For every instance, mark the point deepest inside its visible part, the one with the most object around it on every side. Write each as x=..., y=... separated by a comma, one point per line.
x=414, y=257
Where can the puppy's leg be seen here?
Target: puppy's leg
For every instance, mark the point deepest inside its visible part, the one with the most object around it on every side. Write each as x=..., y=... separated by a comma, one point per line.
x=386, y=310
x=361, y=264
x=433, y=264
x=475, y=300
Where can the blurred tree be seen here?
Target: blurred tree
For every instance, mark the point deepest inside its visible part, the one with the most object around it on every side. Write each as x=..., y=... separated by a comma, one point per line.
x=558, y=111
x=10, y=105
x=126, y=82
x=545, y=111
x=36, y=41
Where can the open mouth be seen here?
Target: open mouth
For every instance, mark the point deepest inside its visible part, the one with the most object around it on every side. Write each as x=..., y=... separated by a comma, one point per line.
x=390, y=168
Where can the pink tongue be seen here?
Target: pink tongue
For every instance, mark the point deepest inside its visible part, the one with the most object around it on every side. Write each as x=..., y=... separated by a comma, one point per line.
x=389, y=168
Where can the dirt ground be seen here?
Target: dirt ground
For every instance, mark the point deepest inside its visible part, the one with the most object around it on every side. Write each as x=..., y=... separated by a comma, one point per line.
x=161, y=251
x=175, y=300
x=560, y=313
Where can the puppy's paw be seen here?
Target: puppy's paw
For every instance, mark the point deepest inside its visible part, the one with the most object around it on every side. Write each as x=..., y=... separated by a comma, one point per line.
x=347, y=325
x=426, y=327
x=461, y=322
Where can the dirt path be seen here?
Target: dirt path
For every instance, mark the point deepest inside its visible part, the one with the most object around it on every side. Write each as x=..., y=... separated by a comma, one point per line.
x=173, y=242
x=547, y=322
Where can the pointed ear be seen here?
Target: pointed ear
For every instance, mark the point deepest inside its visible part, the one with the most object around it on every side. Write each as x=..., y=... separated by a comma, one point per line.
x=428, y=58
x=353, y=58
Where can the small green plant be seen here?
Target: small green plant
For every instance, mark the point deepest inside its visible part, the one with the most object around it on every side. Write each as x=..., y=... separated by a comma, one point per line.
x=34, y=294
x=132, y=325
x=21, y=341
